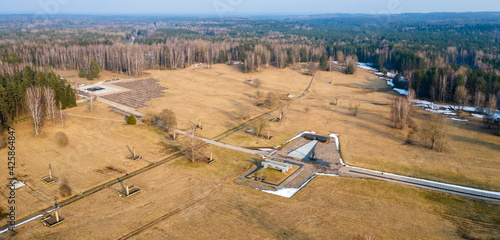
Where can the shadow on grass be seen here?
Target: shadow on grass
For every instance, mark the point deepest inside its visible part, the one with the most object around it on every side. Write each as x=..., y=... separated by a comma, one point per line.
x=255, y=161
x=477, y=142
x=463, y=207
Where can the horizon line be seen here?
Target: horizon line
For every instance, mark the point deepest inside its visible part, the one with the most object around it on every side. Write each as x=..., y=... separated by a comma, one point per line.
x=238, y=15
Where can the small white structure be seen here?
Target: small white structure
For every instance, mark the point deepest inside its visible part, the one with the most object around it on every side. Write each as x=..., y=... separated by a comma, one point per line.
x=281, y=166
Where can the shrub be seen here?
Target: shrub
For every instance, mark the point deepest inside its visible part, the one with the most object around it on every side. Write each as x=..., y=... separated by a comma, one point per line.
x=62, y=139
x=272, y=100
x=257, y=83
x=131, y=120
x=354, y=109
x=65, y=189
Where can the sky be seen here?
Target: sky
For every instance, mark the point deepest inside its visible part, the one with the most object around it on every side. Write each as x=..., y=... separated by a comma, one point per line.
x=241, y=7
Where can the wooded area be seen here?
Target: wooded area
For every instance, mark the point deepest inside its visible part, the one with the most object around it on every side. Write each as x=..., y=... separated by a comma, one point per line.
x=13, y=94
x=434, y=53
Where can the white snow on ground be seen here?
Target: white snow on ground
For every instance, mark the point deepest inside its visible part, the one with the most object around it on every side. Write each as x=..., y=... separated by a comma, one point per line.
x=450, y=109
x=458, y=119
x=478, y=115
x=426, y=105
x=469, y=109
x=367, y=66
x=401, y=91
x=284, y=192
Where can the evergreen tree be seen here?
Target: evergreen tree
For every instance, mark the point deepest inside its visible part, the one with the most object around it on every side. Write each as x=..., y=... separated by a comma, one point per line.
x=81, y=73
x=94, y=70
x=323, y=63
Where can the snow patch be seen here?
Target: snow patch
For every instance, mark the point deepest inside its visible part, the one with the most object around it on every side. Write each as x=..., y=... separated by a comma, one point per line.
x=478, y=115
x=401, y=91
x=458, y=119
x=284, y=192
x=367, y=66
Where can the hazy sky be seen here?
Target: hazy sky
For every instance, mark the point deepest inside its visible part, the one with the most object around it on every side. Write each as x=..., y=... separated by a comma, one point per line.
x=241, y=7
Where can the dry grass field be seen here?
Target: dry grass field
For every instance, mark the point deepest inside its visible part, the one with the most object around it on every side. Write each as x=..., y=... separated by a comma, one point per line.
x=471, y=156
x=95, y=154
x=183, y=200
x=103, y=75
x=203, y=94
x=188, y=200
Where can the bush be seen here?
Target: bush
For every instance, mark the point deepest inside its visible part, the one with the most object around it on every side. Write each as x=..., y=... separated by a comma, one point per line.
x=131, y=120
x=350, y=69
x=65, y=189
x=257, y=83
x=272, y=100
x=354, y=109
x=62, y=139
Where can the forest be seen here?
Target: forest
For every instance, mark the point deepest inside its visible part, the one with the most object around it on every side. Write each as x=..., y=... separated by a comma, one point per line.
x=435, y=53
x=13, y=92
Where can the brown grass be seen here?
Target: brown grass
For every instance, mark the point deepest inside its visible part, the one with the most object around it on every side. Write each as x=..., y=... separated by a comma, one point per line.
x=95, y=144
x=199, y=201
x=368, y=140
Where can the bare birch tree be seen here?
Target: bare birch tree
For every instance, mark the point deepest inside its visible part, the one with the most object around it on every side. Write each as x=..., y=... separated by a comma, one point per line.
x=34, y=102
x=401, y=110
x=61, y=113
x=50, y=103
x=435, y=131
x=491, y=108
x=479, y=99
x=91, y=102
x=461, y=97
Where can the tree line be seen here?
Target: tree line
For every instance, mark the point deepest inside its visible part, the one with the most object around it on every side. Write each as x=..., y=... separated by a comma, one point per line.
x=13, y=90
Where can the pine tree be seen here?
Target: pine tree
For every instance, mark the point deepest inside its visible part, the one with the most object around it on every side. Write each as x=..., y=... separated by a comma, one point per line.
x=94, y=70
x=323, y=63
x=81, y=73
x=67, y=101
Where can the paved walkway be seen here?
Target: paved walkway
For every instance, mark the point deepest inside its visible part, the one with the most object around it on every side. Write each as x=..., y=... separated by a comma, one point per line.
x=219, y=144
x=350, y=171
x=120, y=106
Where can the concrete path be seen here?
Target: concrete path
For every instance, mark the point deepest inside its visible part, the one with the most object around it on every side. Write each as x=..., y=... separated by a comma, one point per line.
x=219, y=144
x=120, y=106
x=349, y=171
